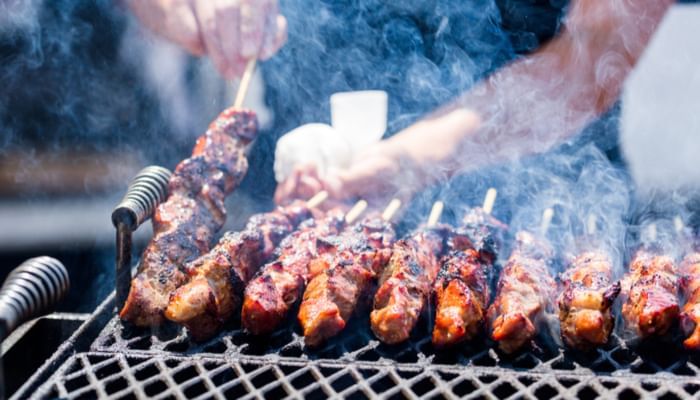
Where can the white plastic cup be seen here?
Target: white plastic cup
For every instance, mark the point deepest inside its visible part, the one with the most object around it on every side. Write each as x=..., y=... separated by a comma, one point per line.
x=360, y=116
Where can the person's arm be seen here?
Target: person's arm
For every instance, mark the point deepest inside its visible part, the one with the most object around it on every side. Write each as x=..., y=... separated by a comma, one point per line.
x=524, y=108
x=231, y=32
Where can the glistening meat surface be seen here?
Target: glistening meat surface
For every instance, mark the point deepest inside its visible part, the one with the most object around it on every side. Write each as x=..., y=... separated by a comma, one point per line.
x=650, y=291
x=406, y=283
x=690, y=317
x=525, y=292
x=185, y=224
x=218, y=278
x=333, y=295
x=462, y=288
x=280, y=284
x=586, y=299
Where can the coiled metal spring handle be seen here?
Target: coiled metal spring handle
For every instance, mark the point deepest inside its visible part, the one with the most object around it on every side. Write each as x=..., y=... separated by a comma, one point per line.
x=31, y=290
x=148, y=189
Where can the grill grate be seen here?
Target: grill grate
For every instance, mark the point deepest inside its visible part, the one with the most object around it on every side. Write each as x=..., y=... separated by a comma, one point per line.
x=123, y=363
x=118, y=375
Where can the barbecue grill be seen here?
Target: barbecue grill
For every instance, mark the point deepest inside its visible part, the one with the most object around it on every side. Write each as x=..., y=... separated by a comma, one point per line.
x=108, y=359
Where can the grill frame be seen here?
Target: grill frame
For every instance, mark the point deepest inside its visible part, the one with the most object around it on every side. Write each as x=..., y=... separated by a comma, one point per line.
x=78, y=368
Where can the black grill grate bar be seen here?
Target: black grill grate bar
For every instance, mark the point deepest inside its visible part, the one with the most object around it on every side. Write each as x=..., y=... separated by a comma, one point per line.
x=168, y=374
x=243, y=376
x=283, y=380
x=97, y=371
x=133, y=383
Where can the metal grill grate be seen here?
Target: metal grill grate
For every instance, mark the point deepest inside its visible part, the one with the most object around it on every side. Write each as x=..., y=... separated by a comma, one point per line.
x=117, y=375
x=126, y=364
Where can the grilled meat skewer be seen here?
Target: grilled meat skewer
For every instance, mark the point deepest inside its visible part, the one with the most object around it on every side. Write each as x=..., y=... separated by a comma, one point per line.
x=406, y=282
x=462, y=286
x=280, y=284
x=218, y=278
x=651, y=293
x=690, y=317
x=524, y=293
x=332, y=296
x=585, y=303
x=185, y=224
x=462, y=293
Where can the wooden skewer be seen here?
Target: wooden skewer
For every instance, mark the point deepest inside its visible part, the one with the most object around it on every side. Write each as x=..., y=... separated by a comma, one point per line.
x=316, y=201
x=391, y=209
x=355, y=211
x=591, y=225
x=245, y=83
x=489, y=200
x=651, y=232
x=546, y=220
x=435, y=214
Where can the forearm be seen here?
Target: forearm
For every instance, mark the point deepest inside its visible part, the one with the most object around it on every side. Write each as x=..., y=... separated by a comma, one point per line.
x=536, y=102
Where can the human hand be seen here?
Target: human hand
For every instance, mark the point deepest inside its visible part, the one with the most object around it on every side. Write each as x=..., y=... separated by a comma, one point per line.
x=376, y=173
x=231, y=32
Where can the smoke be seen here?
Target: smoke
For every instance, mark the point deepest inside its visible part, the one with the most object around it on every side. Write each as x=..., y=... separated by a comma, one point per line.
x=18, y=15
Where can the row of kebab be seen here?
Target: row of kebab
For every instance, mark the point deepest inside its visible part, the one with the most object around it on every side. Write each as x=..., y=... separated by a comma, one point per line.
x=328, y=265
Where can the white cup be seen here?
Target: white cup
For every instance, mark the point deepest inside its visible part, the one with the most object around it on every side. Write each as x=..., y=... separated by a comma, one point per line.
x=360, y=116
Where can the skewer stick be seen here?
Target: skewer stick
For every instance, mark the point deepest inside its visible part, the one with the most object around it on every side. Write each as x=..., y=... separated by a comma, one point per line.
x=546, y=220
x=591, y=225
x=245, y=83
x=435, y=213
x=651, y=233
x=678, y=224
x=355, y=211
x=391, y=209
x=489, y=200
x=318, y=198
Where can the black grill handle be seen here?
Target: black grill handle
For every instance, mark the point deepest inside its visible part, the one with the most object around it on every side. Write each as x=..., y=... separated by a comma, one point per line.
x=31, y=290
x=148, y=189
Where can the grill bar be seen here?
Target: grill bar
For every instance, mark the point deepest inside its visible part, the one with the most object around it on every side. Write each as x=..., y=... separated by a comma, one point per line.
x=115, y=375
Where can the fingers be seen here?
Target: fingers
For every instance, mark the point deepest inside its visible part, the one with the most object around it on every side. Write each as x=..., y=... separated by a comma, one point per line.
x=303, y=183
x=206, y=12
x=252, y=26
x=275, y=38
x=174, y=21
x=228, y=20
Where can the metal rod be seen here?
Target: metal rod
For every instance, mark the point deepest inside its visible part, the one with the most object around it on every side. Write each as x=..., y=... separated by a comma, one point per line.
x=123, y=264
